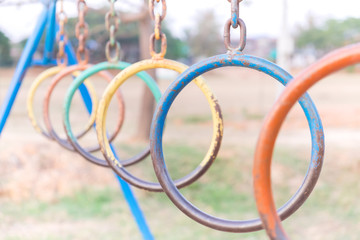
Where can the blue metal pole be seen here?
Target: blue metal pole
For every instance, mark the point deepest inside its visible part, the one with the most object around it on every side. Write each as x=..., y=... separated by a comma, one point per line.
x=134, y=206
x=128, y=194
x=51, y=34
x=83, y=91
x=22, y=66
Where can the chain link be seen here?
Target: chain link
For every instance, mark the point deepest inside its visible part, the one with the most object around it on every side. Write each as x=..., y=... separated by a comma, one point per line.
x=235, y=21
x=158, y=34
x=153, y=11
x=82, y=33
x=61, y=36
x=112, y=21
x=227, y=41
x=157, y=29
x=235, y=13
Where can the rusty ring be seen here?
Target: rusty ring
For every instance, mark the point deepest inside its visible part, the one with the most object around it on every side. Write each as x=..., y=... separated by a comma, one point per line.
x=61, y=61
x=46, y=107
x=112, y=59
x=85, y=7
x=108, y=16
x=62, y=17
x=32, y=92
x=329, y=64
x=61, y=52
x=157, y=30
x=80, y=59
x=62, y=24
x=162, y=53
x=157, y=129
x=82, y=26
x=152, y=8
x=58, y=38
x=227, y=40
x=69, y=96
x=123, y=76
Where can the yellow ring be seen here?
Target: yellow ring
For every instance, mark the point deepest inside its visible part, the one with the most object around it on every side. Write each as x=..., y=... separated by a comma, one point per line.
x=41, y=78
x=142, y=66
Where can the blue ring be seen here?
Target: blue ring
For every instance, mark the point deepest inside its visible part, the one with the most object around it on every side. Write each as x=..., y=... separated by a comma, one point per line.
x=161, y=111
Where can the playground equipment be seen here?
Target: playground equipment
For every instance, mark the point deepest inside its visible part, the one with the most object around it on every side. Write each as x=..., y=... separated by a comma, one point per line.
x=61, y=62
x=112, y=51
x=82, y=57
x=157, y=61
x=295, y=91
x=48, y=19
x=234, y=57
x=329, y=64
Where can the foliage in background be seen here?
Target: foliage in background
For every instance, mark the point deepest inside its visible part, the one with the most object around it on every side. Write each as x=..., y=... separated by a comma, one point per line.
x=177, y=49
x=332, y=34
x=5, y=48
x=98, y=35
x=128, y=36
x=204, y=38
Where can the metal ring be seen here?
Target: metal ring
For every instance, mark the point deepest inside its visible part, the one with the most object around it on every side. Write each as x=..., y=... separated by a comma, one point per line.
x=69, y=96
x=238, y=60
x=80, y=59
x=227, y=40
x=31, y=95
x=162, y=53
x=82, y=6
x=84, y=27
x=116, y=56
x=46, y=107
x=331, y=63
x=108, y=23
x=101, y=121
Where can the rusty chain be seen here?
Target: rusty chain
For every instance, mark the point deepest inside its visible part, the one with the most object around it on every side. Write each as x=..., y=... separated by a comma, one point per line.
x=157, y=17
x=235, y=13
x=81, y=33
x=234, y=22
x=112, y=21
x=61, y=36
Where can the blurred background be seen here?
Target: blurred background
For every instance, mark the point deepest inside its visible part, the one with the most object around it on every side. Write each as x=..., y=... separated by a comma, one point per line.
x=47, y=192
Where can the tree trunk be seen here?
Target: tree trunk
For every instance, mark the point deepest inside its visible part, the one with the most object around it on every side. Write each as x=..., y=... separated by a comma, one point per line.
x=148, y=101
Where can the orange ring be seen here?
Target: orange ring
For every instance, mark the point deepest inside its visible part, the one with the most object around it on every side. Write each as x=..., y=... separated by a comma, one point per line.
x=329, y=64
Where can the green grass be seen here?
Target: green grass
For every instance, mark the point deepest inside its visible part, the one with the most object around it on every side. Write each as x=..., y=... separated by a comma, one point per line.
x=196, y=119
x=224, y=191
x=87, y=203
x=90, y=204
x=252, y=115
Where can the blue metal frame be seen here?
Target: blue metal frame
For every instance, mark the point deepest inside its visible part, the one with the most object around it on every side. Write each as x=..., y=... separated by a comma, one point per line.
x=21, y=68
x=128, y=194
x=47, y=17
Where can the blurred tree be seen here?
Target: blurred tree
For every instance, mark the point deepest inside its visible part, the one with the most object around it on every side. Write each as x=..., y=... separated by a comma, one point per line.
x=5, y=47
x=177, y=48
x=128, y=34
x=134, y=32
x=328, y=36
x=133, y=35
x=205, y=39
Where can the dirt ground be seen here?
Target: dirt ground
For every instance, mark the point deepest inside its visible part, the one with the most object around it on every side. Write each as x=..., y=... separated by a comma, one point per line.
x=34, y=168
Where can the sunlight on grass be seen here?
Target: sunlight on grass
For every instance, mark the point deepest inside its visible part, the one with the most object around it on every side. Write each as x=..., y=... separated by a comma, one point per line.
x=224, y=191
